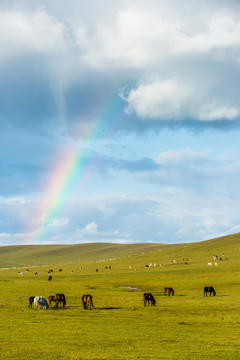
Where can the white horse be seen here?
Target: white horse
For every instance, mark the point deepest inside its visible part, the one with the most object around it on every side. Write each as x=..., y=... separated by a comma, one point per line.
x=40, y=301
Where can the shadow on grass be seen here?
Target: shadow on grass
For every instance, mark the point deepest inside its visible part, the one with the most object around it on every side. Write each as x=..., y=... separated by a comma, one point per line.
x=109, y=308
x=162, y=294
x=60, y=308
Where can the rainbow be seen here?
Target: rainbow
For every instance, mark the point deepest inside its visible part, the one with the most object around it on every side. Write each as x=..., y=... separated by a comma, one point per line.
x=72, y=168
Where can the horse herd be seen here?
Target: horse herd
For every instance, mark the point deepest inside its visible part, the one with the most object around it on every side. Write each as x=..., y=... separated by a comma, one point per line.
x=40, y=302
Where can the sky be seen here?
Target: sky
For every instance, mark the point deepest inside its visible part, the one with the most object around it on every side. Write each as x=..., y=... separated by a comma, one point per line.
x=120, y=121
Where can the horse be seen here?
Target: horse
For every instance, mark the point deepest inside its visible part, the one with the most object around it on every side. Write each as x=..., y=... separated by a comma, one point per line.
x=209, y=289
x=31, y=301
x=51, y=298
x=60, y=298
x=87, y=300
x=40, y=301
x=148, y=297
x=168, y=291
x=50, y=278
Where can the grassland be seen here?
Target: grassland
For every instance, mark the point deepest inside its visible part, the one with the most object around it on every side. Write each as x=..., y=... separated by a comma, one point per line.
x=186, y=326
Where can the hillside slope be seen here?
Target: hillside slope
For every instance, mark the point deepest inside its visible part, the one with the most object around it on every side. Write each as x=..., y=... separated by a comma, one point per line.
x=31, y=255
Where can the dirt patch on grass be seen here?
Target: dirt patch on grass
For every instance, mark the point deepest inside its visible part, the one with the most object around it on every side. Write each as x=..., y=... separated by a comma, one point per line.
x=129, y=287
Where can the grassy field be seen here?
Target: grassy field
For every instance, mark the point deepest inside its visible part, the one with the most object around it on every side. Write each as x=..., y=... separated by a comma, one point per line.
x=186, y=326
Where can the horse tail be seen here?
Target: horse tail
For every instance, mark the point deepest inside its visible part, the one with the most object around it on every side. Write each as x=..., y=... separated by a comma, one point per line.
x=64, y=299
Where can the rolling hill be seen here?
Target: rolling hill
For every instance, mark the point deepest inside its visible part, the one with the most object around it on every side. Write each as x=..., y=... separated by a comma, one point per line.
x=31, y=255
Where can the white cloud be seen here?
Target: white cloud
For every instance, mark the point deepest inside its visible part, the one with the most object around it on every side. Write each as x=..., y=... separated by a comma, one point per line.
x=143, y=38
x=59, y=222
x=173, y=99
x=168, y=52
x=161, y=99
x=91, y=228
x=15, y=200
x=30, y=32
x=212, y=112
x=188, y=155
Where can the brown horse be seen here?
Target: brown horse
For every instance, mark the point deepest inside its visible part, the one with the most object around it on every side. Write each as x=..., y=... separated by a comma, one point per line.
x=51, y=298
x=31, y=301
x=168, y=291
x=60, y=298
x=148, y=297
x=87, y=301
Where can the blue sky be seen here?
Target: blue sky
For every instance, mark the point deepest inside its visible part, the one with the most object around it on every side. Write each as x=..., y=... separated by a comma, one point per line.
x=156, y=83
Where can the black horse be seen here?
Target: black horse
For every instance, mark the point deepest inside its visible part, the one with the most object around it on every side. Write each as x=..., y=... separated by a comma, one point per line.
x=31, y=301
x=148, y=297
x=209, y=289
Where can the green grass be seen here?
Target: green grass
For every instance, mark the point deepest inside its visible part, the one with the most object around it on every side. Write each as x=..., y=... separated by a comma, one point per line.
x=31, y=255
x=186, y=326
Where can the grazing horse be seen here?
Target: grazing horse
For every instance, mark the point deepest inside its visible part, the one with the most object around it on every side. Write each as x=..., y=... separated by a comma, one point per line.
x=168, y=291
x=31, y=301
x=60, y=298
x=148, y=297
x=87, y=300
x=51, y=298
x=40, y=301
x=209, y=289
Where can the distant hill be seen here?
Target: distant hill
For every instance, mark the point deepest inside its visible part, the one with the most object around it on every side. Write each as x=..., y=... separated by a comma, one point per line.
x=31, y=255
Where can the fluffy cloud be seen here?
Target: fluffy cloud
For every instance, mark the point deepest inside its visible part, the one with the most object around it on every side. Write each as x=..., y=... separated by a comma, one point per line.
x=59, y=222
x=31, y=32
x=172, y=99
x=176, y=63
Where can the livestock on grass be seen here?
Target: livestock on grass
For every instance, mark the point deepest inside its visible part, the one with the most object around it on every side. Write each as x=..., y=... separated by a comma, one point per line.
x=87, y=302
x=169, y=291
x=209, y=289
x=148, y=298
x=40, y=302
